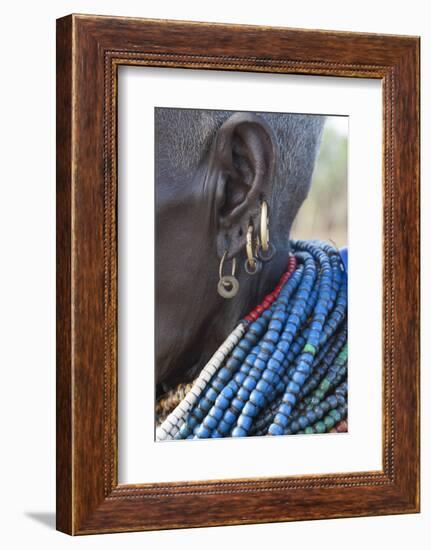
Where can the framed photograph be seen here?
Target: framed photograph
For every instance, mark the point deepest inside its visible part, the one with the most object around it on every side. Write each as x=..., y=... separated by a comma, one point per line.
x=237, y=274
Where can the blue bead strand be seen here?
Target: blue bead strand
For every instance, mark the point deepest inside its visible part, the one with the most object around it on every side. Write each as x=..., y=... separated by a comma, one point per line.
x=321, y=365
x=239, y=396
x=303, y=370
x=260, y=394
x=287, y=362
x=318, y=411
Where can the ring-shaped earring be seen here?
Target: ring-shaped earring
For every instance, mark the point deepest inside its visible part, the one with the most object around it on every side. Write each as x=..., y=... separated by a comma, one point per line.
x=264, y=226
x=267, y=250
x=253, y=268
x=228, y=285
x=267, y=256
x=252, y=264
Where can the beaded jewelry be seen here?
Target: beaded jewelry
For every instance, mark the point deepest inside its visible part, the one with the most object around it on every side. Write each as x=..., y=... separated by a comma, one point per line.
x=283, y=369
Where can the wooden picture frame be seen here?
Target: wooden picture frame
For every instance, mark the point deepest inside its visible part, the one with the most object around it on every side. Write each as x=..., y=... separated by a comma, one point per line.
x=89, y=52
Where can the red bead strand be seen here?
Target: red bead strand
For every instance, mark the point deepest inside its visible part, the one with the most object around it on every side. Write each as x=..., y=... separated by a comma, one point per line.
x=341, y=427
x=269, y=298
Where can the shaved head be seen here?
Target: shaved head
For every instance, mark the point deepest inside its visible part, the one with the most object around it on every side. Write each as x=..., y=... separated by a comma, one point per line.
x=213, y=169
x=184, y=137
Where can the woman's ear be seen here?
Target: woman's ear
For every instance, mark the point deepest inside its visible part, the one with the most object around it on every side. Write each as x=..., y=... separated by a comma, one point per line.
x=244, y=156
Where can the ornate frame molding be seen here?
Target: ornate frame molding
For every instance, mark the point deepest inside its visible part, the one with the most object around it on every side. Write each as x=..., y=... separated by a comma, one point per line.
x=90, y=49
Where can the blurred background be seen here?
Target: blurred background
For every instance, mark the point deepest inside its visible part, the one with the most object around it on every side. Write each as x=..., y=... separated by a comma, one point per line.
x=324, y=213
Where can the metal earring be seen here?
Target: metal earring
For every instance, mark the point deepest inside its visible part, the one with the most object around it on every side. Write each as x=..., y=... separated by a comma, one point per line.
x=228, y=285
x=267, y=249
x=252, y=264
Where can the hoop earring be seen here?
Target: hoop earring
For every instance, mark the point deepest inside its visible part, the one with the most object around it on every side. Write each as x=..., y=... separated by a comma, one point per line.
x=252, y=264
x=228, y=285
x=267, y=249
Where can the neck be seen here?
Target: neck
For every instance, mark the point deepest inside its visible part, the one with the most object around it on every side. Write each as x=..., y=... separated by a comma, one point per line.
x=283, y=368
x=222, y=319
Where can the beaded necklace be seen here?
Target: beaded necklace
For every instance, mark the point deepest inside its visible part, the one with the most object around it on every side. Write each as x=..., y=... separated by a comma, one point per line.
x=283, y=369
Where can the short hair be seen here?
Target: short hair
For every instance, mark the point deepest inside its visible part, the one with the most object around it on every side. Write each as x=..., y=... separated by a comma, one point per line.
x=184, y=136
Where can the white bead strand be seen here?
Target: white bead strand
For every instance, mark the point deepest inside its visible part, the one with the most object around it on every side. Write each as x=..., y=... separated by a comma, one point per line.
x=173, y=422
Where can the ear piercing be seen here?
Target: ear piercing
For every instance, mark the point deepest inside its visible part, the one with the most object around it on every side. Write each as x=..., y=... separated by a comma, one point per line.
x=252, y=264
x=266, y=250
x=257, y=249
x=228, y=285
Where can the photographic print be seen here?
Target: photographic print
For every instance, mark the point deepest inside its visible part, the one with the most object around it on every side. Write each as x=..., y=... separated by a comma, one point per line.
x=251, y=274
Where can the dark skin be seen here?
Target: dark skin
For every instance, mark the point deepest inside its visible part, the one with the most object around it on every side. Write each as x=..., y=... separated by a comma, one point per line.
x=196, y=222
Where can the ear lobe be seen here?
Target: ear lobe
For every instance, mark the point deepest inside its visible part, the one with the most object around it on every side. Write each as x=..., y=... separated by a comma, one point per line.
x=245, y=156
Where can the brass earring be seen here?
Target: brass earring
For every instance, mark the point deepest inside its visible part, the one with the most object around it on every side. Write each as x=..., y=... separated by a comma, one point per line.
x=252, y=264
x=266, y=249
x=228, y=285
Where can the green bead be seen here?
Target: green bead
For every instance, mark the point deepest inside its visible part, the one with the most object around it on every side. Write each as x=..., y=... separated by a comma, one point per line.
x=309, y=348
x=342, y=355
x=335, y=415
x=320, y=427
x=324, y=385
x=309, y=430
x=329, y=422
